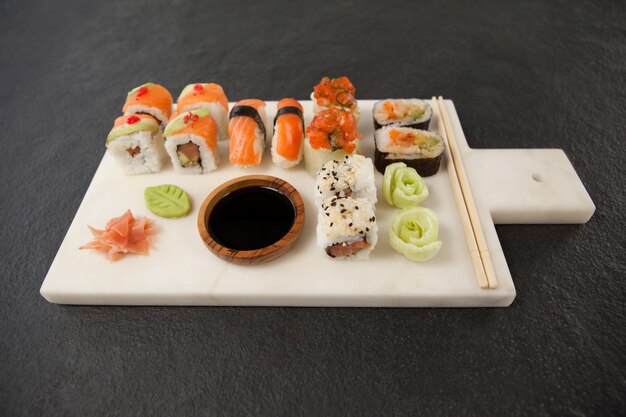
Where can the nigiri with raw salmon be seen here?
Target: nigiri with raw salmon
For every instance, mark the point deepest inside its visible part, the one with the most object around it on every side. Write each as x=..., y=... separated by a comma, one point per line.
x=191, y=142
x=248, y=130
x=208, y=96
x=288, y=133
x=152, y=99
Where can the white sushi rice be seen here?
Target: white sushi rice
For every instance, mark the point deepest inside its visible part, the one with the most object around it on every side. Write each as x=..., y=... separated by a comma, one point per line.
x=219, y=114
x=152, y=111
x=356, y=111
x=404, y=151
x=208, y=159
x=351, y=176
x=344, y=221
x=408, y=107
x=150, y=158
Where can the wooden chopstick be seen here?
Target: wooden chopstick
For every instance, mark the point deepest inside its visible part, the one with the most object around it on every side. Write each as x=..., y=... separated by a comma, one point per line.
x=476, y=243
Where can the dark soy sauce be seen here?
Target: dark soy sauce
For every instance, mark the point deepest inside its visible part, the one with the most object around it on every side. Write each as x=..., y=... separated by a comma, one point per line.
x=251, y=218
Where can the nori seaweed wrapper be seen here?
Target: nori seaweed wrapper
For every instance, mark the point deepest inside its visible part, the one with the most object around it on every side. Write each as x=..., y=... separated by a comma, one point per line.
x=249, y=111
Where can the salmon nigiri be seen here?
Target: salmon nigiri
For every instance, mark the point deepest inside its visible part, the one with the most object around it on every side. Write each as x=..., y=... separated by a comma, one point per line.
x=152, y=99
x=288, y=133
x=248, y=130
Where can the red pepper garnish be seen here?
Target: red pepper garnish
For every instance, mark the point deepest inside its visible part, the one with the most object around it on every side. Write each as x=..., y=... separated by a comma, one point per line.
x=190, y=116
x=132, y=120
x=198, y=88
x=142, y=91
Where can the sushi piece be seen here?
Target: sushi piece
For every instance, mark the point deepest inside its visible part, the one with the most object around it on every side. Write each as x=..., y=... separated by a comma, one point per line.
x=335, y=93
x=409, y=112
x=331, y=135
x=288, y=133
x=208, y=96
x=136, y=144
x=191, y=142
x=346, y=228
x=418, y=149
x=248, y=130
x=152, y=99
x=352, y=176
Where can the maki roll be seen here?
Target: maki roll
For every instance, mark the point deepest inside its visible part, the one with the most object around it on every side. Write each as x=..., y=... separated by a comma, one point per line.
x=191, y=142
x=136, y=144
x=409, y=112
x=418, y=149
x=288, y=133
x=152, y=99
x=208, y=96
x=335, y=93
x=346, y=228
x=352, y=176
x=331, y=135
x=248, y=129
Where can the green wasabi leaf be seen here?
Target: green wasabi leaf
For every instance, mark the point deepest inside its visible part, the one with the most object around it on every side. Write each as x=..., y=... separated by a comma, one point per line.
x=402, y=186
x=167, y=201
x=414, y=233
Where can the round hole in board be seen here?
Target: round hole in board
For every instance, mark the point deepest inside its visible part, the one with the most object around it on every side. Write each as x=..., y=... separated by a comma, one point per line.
x=537, y=177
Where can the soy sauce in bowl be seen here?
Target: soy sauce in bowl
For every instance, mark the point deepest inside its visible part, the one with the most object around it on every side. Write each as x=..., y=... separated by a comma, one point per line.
x=251, y=218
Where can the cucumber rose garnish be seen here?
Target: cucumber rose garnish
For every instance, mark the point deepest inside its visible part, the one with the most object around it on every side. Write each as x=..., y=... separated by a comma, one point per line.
x=402, y=186
x=414, y=233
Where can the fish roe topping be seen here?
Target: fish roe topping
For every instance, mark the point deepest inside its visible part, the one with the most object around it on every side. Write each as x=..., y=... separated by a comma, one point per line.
x=143, y=90
x=131, y=120
x=190, y=117
x=333, y=129
x=198, y=88
x=335, y=92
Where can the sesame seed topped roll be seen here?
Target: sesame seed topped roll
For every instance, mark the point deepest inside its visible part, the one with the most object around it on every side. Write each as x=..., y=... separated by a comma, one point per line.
x=351, y=176
x=346, y=228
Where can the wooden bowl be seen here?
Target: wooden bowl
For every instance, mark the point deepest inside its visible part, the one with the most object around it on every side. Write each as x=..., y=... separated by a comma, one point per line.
x=255, y=256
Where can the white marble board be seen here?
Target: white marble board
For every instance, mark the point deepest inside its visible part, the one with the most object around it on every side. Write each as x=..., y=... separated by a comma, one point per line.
x=509, y=186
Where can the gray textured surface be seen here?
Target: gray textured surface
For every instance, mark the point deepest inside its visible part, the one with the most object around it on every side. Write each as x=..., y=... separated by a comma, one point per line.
x=533, y=74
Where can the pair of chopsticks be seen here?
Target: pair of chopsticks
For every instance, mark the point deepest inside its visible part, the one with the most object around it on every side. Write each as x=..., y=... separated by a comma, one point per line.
x=485, y=275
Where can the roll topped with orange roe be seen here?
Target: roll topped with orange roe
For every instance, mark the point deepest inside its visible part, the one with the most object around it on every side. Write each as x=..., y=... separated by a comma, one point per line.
x=331, y=135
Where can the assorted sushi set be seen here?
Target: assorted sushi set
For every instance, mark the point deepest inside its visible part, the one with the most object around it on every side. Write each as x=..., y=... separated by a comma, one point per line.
x=154, y=132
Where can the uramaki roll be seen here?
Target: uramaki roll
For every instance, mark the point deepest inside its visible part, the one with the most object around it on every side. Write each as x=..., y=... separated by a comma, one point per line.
x=191, y=142
x=208, y=96
x=331, y=135
x=136, y=144
x=152, y=99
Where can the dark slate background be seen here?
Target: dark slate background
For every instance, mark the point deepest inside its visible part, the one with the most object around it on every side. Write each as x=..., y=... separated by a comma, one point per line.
x=523, y=75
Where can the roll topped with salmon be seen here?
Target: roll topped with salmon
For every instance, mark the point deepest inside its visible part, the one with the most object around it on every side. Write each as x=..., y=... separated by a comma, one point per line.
x=152, y=99
x=208, y=96
x=136, y=143
x=191, y=142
